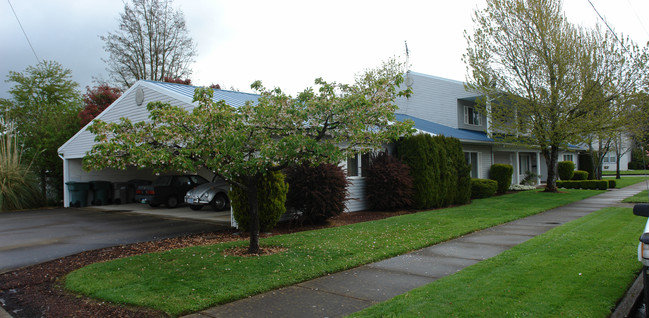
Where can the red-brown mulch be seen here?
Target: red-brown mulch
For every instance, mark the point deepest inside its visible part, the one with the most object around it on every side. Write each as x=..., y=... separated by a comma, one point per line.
x=37, y=291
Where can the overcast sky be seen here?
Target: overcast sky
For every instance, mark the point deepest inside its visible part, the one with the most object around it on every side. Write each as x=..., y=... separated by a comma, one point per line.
x=285, y=44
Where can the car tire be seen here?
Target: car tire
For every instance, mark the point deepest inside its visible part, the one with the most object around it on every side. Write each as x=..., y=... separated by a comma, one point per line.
x=220, y=202
x=154, y=205
x=172, y=202
x=195, y=207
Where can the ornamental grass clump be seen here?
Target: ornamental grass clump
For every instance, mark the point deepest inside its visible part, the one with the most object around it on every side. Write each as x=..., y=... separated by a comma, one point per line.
x=18, y=185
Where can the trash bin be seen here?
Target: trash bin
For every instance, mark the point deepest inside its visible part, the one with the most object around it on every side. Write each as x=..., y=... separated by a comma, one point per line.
x=102, y=192
x=122, y=193
x=78, y=193
x=133, y=184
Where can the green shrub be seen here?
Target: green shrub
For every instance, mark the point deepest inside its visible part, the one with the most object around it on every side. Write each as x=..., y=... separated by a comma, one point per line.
x=586, y=164
x=483, y=188
x=583, y=184
x=566, y=170
x=271, y=199
x=580, y=175
x=611, y=184
x=18, y=185
x=318, y=192
x=440, y=174
x=388, y=184
x=501, y=173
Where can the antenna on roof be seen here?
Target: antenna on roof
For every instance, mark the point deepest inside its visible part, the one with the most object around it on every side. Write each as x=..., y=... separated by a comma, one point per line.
x=408, y=78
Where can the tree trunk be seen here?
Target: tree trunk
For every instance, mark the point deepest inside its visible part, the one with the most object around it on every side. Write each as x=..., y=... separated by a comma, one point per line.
x=252, y=183
x=617, y=167
x=551, y=158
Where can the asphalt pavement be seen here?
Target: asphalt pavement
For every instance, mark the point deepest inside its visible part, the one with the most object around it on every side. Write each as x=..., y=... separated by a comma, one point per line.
x=33, y=237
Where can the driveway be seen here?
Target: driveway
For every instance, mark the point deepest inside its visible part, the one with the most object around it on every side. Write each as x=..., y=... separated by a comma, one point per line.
x=32, y=237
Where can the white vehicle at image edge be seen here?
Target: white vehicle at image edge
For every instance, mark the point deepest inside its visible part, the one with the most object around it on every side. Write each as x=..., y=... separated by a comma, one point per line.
x=643, y=247
x=214, y=194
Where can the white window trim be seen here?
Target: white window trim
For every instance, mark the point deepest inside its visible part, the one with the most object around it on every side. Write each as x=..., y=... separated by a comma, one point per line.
x=476, y=116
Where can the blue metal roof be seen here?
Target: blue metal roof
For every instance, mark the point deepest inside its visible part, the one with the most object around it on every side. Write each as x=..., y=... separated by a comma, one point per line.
x=232, y=98
x=437, y=129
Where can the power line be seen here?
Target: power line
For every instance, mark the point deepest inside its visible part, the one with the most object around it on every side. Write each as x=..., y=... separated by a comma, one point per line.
x=609, y=27
x=637, y=17
x=25, y=33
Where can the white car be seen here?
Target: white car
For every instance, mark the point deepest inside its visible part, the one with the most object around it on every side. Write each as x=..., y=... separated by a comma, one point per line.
x=214, y=194
x=643, y=247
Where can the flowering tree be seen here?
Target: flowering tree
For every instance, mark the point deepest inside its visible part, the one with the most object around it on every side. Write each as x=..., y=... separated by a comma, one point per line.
x=96, y=100
x=242, y=144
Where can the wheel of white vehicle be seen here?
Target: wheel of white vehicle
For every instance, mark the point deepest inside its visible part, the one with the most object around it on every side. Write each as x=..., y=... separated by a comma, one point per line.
x=172, y=202
x=220, y=202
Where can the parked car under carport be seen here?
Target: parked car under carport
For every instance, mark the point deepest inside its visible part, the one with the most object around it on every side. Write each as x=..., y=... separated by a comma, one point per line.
x=168, y=190
x=214, y=194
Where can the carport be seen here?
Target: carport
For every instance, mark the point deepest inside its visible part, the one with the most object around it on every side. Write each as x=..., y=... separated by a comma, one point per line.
x=132, y=105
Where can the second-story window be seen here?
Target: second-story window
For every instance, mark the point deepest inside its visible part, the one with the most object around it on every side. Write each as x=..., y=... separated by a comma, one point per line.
x=471, y=117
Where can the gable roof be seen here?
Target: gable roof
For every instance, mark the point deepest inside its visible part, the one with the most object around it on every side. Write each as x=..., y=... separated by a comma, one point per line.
x=438, y=129
x=124, y=106
x=186, y=92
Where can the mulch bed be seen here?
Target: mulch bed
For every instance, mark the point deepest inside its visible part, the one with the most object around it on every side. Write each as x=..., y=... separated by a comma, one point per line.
x=37, y=291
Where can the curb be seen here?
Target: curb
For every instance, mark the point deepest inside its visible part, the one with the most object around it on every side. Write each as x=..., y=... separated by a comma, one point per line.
x=627, y=303
x=4, y=314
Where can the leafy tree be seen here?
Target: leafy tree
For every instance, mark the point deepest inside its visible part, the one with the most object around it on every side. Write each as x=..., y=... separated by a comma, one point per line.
x=540, y=75
x=152, y=42
x=45, y=103
x=177, y=80
x=97, y=99
x=243, y=144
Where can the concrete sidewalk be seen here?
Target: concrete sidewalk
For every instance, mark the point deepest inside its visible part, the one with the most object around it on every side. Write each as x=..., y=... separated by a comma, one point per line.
x=349, y=291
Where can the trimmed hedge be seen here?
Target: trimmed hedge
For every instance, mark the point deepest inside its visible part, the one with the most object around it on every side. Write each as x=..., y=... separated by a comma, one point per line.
x=319, y=192
x=583, y=184
x=579, y=175
x=271, y=200
x=483, y=188
x=611, y=184
x=441, y=176
x=566, y=170
x=501, y=173
x=388, y=184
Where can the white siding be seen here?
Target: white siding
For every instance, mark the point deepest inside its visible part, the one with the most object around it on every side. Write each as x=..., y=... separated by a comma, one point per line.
x=124, y=107
x=434, y=99
x=484, y=158
x=356, y=198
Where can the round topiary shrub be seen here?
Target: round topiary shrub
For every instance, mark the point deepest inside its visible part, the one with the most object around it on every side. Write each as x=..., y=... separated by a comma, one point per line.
x=388, y=184
x=566, y=170
x=611, y=184
x=580, y=175
x=317, y=192
x=483, y=188
x=501, y=173
x=271, y=200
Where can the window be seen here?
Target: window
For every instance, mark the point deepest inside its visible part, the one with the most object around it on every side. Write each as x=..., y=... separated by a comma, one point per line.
x=471, y=117
x=354, y=166
x=472, y=160
x=567, y=158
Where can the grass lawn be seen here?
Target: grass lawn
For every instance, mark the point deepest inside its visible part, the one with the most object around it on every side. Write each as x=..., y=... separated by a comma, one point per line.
x=580, y=269
x=627, y=181
x=188, y=280
x=641, y=197
x=628, y=172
